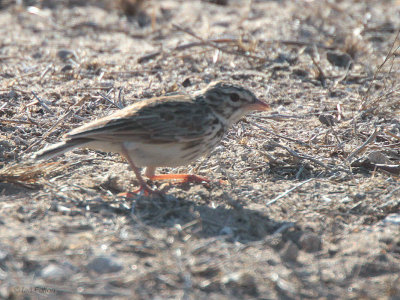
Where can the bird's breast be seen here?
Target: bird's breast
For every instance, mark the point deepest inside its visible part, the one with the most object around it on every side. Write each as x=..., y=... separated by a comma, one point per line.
x=172, y=154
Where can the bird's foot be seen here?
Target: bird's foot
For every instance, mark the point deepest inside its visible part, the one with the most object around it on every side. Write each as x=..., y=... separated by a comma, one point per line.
x=180, y=178
x=184, y=178
x=144, y=190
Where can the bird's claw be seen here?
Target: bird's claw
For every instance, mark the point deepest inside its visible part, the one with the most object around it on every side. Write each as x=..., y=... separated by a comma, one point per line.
x=142, y=191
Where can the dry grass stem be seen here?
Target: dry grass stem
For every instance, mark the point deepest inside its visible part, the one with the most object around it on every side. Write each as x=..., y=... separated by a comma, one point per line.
x=360, y=149
x=216, y=46
x=278, y=135
x=287, y=192
x=312, y=203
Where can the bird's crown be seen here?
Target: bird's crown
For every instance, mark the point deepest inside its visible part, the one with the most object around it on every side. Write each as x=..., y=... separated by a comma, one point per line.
x=225, y=93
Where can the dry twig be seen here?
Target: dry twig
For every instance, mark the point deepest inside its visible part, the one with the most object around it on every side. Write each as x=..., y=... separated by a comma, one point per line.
x=390, y=53
x=287, y=192
x=67, y=114
x=232, y=40
x=310, y=158
x=214, y=45
x=11, y=121
x=117, y=105
x=41, y=102
x=363, y=146
x=28, y=174
x=278, y=135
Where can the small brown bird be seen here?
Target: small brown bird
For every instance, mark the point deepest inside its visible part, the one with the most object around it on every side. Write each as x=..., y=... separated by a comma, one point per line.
x=166, y=131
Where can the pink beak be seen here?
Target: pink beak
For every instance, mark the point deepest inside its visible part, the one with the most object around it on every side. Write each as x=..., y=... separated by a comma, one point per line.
x=260, y=106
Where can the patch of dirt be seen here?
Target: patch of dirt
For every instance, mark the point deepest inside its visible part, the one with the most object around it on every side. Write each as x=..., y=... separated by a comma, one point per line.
x=310, y=207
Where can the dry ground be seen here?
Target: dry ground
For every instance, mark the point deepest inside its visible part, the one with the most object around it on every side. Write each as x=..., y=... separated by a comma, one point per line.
x=311, y=204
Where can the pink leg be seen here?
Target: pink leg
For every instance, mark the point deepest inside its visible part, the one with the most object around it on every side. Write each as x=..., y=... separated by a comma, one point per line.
x=182, y=178
x=143, y=185
x=150, y=171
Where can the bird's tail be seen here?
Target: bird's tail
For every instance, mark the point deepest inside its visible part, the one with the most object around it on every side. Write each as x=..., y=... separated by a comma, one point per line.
x=59, y=148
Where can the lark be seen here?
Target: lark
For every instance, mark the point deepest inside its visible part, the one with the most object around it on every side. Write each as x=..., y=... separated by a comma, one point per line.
x=167, y=131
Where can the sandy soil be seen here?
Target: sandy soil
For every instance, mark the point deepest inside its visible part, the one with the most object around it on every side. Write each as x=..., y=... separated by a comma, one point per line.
x=311, y=205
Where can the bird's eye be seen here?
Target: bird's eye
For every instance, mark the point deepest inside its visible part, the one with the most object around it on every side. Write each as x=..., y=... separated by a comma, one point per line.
x=234, y=97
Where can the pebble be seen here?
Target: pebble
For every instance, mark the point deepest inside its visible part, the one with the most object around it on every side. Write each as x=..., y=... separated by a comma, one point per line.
x=243, y=282
x=3, y=255
x=289, y=252
x=338, y=58
x=65, y=54
x=226, y=231
x=391, y=219
x=104, y=264
x=67, y=68
x=55, y=272
x=310, y=242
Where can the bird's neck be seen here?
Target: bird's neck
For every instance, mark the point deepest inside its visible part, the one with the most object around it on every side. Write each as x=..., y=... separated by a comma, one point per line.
x=227, y=115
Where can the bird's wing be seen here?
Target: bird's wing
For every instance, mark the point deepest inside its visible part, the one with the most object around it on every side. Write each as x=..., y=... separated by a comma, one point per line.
x=159, y=120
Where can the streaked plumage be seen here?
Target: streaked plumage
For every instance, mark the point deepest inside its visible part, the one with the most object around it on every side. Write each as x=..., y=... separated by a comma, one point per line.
x=165, y=131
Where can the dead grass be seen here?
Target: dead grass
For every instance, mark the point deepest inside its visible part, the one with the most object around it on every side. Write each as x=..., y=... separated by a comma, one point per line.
x=310, y=208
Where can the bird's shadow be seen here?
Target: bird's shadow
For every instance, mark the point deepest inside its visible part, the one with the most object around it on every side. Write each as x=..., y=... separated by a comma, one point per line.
x=230, y=220
x=226, y=218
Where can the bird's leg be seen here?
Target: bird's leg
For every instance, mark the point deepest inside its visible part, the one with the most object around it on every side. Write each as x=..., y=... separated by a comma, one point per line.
x=181, y=178
x=143, y=185
x=150, y=173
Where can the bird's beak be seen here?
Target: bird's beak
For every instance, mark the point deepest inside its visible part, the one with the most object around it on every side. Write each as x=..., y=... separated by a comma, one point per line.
x=260, y=106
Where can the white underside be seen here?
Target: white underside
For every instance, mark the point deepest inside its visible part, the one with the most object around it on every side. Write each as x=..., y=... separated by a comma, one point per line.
x=149, y=155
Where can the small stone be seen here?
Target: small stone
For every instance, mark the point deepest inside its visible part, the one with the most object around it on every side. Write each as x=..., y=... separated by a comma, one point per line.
x=300, y=72
x=310, y=242
x=289, y=252
x=333, y=250
x=226, y=231
x=327, y=119
x=63, y=209
x=30, y=239
x=346, y=199
x=207, y=271
x=37, y=55
x=200, y=191
x=339, y=59
x=377, y=157
x=242, y=283
x=3, y=255
x=54, y=273
x=186, y=82
x=326, y=199
x=104, y=264
x=12, y=95
x=65, y=54
x=392, y=219
x=219, y=2
x=360, y=196
x=53, y=206
x=66, y=68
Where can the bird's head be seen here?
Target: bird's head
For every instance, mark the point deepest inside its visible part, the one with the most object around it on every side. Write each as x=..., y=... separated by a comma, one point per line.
x=231, y=101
